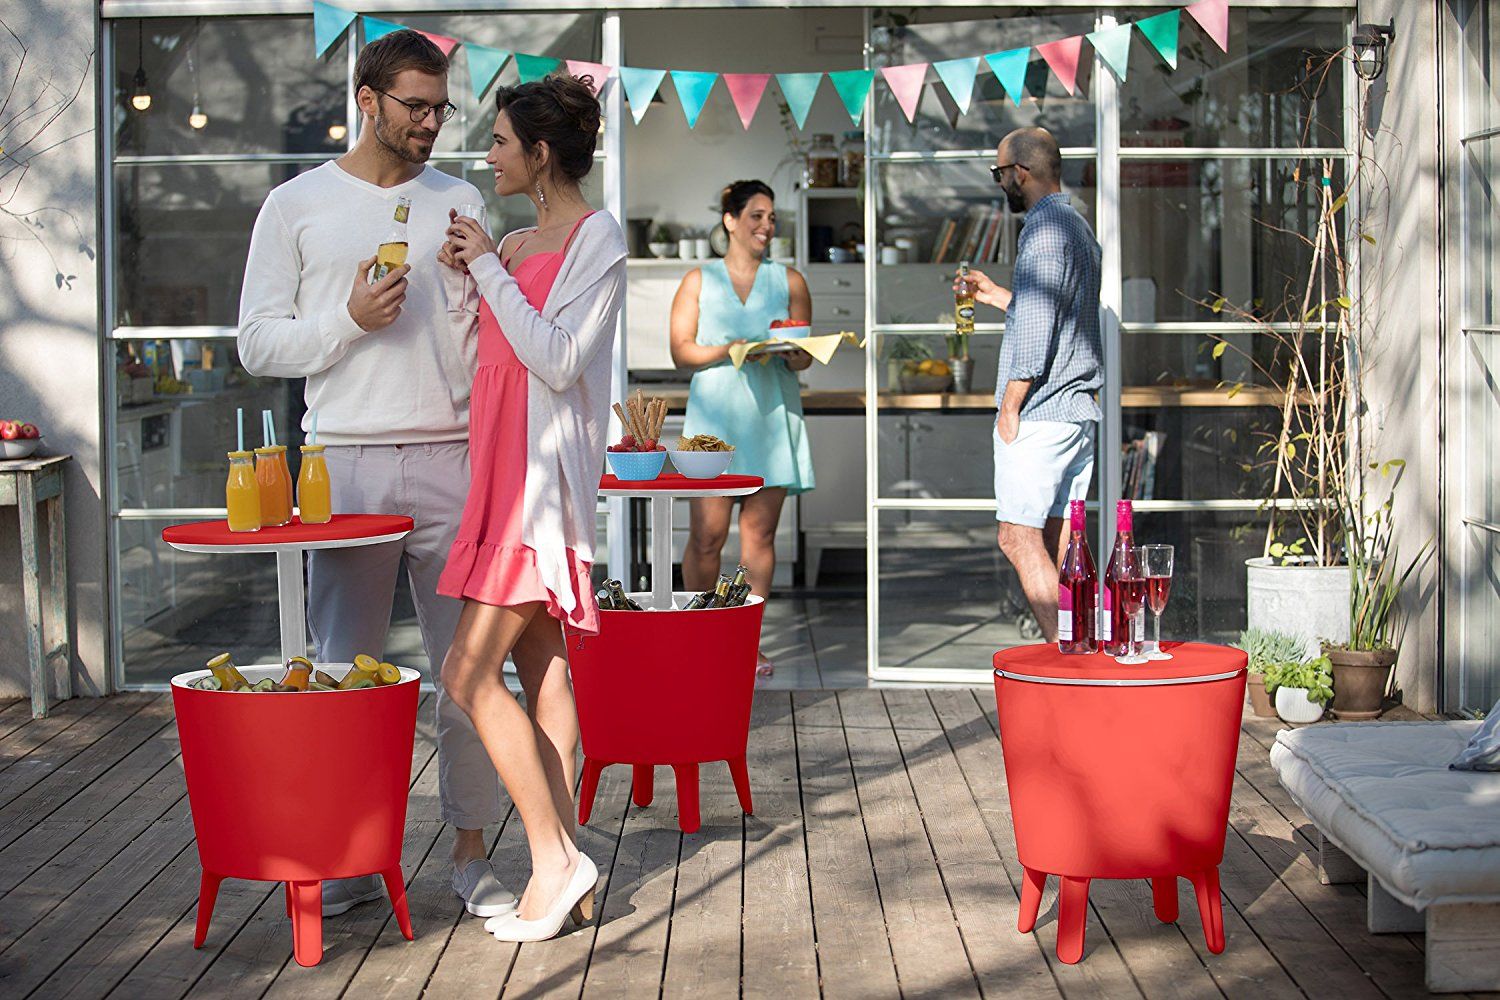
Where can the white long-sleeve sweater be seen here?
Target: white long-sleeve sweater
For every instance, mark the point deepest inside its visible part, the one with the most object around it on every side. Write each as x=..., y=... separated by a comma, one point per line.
x=408, y=383
x=567, y=348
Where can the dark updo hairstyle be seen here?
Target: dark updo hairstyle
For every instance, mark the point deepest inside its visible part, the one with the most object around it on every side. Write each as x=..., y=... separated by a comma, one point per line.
x=559, y=110
x=734, y=198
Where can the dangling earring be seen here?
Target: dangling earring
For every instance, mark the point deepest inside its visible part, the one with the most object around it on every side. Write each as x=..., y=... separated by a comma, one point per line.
x=541, y=196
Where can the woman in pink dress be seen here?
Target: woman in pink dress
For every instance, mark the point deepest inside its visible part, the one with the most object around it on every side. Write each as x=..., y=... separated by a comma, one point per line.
x=549, y=300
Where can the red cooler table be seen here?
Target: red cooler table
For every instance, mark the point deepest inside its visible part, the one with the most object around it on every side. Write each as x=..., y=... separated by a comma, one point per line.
x=665, y=686
x=1119, y=772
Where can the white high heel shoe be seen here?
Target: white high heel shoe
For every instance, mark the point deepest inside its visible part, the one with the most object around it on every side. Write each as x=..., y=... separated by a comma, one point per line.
x=576, y=900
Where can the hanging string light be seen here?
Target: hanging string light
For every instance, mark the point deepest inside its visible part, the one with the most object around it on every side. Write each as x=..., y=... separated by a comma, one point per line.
x=197, y=119
x=140, y=97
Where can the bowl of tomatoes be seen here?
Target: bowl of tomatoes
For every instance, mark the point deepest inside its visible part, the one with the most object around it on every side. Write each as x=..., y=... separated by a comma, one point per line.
x=18, y=439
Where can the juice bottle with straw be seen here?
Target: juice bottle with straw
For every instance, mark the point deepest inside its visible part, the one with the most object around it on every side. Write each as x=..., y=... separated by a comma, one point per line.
x=242, y=493
x=284, y=474
x=314, y=498
x=275, y=488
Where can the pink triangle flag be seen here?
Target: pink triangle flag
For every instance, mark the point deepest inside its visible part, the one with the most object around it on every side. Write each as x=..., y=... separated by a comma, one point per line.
x=906, y=83
x=1062, y=55
x=442, y=41
x=746, y=89
x=597, y=72
x=1213, y=17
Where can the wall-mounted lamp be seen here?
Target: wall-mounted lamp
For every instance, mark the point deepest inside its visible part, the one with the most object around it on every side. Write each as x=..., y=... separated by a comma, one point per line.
x=1370, y=44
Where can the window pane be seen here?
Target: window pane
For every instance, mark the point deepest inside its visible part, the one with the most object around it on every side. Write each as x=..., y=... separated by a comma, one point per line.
x=1208, y=574
x=172, y=215
x=908, y=35
x=947, y=212
x=1475, y=685
x=1481, y=416
x=254, y=77
x=1280, y=84
x=1478, y=230
x=1195, y=230
x=516, y=211
x=1481, y=37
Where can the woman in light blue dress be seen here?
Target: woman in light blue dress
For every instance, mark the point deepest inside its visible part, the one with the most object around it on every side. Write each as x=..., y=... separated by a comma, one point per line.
x=758, y=407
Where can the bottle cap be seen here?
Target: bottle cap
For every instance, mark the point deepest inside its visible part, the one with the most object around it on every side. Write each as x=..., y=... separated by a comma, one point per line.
x=240, y=454
x=265, y=450
x=313, y=449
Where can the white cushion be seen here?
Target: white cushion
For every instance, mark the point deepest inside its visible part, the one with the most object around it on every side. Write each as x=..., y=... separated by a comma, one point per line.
x=1383, y=792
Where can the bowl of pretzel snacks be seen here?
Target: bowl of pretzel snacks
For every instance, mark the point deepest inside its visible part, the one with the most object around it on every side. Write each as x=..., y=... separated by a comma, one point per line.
x=637, y=456
x=702, y=456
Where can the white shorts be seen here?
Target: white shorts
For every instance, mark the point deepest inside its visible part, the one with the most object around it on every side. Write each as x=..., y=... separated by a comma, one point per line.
x=1049, y=463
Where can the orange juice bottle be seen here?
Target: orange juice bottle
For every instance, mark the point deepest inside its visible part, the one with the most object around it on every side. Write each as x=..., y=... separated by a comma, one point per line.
x=275, y=491
x=242, y=493
x=313, y=496
x=284, y=474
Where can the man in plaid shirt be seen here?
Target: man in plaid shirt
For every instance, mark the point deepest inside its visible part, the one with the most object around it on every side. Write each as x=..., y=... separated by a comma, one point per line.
x=1047, y=388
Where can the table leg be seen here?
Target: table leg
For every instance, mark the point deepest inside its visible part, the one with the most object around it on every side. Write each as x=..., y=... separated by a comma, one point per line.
x=1210, y=908
x=289, y=589
x=1032, y=885
x=642, y=784
x=1164, y=898
x=1072, y=918
x=31, y=588
x=661, y=553
x=687, y=797
x=57, y=543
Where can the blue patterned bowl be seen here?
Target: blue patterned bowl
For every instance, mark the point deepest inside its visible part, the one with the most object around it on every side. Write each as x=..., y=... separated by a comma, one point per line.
x=636, y=466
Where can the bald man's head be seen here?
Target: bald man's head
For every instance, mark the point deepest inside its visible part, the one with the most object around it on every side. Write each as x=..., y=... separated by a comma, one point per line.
x=1034, y=147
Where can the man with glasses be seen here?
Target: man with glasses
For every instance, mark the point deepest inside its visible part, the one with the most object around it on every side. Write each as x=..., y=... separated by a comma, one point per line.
x=389, y=366
x=1048, y=383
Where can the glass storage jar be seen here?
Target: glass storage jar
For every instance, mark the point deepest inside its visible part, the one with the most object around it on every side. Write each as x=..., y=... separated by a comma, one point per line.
x=823, y=162
x=852, y=160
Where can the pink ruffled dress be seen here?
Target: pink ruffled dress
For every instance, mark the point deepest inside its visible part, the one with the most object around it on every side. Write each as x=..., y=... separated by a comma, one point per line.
x=488, y=561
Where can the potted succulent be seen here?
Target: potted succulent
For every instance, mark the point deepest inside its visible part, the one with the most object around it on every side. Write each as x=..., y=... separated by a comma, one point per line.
x=1267, y=648
x=1362, y=665
x=1301, y=688
x=662, y=244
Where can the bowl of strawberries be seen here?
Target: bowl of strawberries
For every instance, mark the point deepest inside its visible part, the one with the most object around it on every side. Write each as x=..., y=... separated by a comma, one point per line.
x=18, y=439
x=789, y=328
x=637, y=456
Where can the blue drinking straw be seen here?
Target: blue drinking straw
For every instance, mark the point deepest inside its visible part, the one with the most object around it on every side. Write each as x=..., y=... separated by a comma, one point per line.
x=239, y=419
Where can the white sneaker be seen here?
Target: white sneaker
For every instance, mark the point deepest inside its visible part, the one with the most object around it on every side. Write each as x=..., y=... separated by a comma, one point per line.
x=481, y=891
x=341, y=895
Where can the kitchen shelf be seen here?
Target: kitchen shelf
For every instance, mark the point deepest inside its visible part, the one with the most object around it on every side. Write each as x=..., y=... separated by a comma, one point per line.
x=1133, y=398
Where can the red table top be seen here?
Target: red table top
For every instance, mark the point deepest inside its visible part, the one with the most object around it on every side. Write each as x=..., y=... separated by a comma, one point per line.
x=1190, y=661
x=343, y=526
x=679, y=483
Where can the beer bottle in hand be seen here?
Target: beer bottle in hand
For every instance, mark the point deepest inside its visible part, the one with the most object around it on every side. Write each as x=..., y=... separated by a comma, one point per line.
x=392, y=252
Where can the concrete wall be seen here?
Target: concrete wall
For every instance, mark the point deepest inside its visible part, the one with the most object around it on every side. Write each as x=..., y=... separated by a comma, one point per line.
x=1401, y=200
x=49, y=315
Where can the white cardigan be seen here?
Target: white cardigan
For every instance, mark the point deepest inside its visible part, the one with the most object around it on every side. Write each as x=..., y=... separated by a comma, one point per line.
x=567, y=349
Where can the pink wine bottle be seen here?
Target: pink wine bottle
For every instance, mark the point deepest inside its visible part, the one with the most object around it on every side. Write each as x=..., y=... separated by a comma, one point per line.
x=1124, y=587
x=1077, y=589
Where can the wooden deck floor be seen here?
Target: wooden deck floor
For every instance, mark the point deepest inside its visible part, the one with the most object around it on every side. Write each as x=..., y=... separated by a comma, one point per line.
x=879, y=863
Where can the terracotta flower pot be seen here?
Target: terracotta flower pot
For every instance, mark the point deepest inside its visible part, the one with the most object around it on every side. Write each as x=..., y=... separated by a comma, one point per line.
x=1260, y=701
x=1359, y=680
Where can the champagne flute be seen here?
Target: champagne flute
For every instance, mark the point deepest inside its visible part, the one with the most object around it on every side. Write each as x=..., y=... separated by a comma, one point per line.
x=1156, y=565
x=1132, y=595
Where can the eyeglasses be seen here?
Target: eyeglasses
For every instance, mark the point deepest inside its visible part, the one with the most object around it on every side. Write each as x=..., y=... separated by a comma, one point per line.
x=997, y=170
x=420, y=111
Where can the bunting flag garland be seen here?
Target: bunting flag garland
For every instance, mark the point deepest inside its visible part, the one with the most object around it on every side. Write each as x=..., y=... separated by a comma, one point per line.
x=1213, y=17
x=747, y=90
x=485, y=64
x=640, y=87
x=799, y=89
x=693, y=89
x=329, y=25
x=534, y=68
x=1010, y=69
x=597, y=72
x=1161, y=32
x=958, y=76
x=853, y=86
x=1062, y=56
x=906, y=84
x=1113, y=46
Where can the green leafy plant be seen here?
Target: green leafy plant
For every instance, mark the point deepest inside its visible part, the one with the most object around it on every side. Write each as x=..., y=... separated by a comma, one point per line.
x=1376, y=573
x=662, y=234
x=1315, y=675
x=1268, y=648
x=907, y=349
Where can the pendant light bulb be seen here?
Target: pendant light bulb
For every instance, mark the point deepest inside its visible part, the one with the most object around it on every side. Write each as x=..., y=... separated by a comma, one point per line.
x=198, y=119
x=338, y=132
x=140, y=97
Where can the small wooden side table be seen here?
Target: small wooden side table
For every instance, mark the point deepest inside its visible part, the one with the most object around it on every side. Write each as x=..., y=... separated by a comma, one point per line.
x=25, y=483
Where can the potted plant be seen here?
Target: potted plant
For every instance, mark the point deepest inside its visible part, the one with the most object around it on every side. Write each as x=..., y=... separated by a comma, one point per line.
x=661, y=244
x=1301, y=688
x=904, y=353
x=1363, y=664
x=1267, y=648
x=959, y=362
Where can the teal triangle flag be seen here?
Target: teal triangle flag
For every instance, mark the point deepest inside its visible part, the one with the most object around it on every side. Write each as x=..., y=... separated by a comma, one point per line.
x=853, y=86
x=799, y=89
x=1161, y=32
x=640, y=86
x=535, y=67
x=485, y=64
x=329, y=23
x=1113, y=46
x=1009, y=68
x=693, y=89
x=958, y=76
x=376, y=28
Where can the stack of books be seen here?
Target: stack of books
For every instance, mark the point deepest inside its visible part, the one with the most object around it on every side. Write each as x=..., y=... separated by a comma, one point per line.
x=982, y=235
x=1138, y=466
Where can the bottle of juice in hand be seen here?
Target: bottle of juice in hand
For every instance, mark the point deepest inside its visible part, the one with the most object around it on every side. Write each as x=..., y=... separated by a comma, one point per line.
x=242, y=493
x=314, y=499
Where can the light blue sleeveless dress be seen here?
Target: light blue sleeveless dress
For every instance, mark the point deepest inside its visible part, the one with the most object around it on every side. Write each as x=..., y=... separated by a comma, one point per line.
x=757, y=408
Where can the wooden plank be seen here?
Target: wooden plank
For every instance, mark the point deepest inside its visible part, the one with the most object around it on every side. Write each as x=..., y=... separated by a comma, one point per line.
x=703, y=954
x=854, y=953
x=15, y=715
x=779, y=957
x=971, y=730
x=925, y=943
x=1006, y=964
x=26, y=742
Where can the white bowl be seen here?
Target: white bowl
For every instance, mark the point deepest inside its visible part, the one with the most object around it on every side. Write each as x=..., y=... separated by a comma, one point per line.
x=662, y=249
x=19, y=448
x=701, y=464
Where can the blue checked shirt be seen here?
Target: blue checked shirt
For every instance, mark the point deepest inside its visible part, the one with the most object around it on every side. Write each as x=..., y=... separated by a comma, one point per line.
x=1052, y=327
